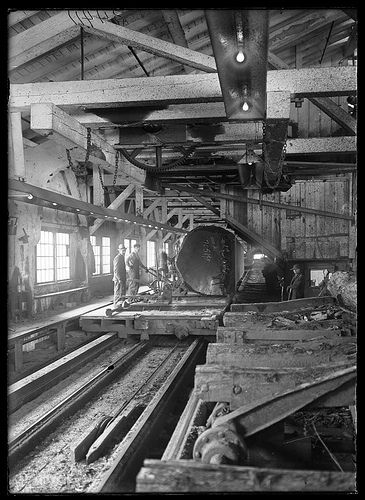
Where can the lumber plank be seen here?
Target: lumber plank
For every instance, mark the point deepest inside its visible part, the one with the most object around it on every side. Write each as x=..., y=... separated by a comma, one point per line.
x=241, y=386
x=285, y=305
x=187, y=476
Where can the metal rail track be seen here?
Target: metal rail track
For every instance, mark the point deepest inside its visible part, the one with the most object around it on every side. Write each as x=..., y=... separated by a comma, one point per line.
x=141, y=437
x=24, y=442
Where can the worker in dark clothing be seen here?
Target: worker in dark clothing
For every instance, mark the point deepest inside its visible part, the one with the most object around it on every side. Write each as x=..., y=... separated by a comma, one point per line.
x=296, y=288
x=120, y=274
x=163, y=264
x=133, y=265
x=271, y=274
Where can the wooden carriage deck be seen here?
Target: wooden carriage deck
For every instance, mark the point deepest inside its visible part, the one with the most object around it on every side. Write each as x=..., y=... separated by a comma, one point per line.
x=181, y=318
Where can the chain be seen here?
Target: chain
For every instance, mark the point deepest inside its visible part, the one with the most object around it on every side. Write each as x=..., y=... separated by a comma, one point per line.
x=101, y=178
x=116, y=169
x=88, y=145
x=267, y=167
x=70, y=164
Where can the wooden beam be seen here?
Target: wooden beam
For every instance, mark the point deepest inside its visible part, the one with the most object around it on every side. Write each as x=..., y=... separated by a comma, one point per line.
x=175, y=89
x=41, y=38
x=339, y=115
x=321, y=145
x=284, y=206
x=98, y=191
x=151, y=207
x=58, y=201
x=154, y=231
x=248, y=235
x=72, y=184
x=50, y=121
x=15, y=146
x=186, y=476
x=155, y=46
x=28, y=143
x=114, y=206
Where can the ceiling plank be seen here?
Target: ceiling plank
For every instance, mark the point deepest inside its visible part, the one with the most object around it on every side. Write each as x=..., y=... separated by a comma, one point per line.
x=175, y=89
x=335, y=112
x=113, y=206
x=153, y=45
x=49, y=120
x=19, y=15
x=42, y=38
x=292, y=34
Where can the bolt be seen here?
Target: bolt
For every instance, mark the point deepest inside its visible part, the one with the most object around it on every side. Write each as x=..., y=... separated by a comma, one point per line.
x=205, y=439
x=198, y=454
x=237, y=389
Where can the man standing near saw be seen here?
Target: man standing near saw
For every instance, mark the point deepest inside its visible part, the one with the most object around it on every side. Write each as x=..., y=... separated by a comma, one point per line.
x=296, y=288
x=133, y=265
x=120, y=274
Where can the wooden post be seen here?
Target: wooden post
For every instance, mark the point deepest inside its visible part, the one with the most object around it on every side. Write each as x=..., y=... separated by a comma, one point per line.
x=97, y=187
x=61, y=337
x=16, y=147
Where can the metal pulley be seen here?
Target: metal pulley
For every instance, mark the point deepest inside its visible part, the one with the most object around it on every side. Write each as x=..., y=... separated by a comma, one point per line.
x=220, y=445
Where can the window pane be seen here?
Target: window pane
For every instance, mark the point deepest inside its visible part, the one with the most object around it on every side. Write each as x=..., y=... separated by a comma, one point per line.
x=105, y=255
x=44, y=261
x=62, y=256
x=151, y=255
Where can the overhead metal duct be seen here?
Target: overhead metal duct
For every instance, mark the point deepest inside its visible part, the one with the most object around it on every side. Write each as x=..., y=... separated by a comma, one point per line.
x=240, y=45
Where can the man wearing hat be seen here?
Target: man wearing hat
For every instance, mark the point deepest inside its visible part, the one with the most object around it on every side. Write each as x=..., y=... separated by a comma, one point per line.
x=296, y=288
x=120, y=275
x=133, y=265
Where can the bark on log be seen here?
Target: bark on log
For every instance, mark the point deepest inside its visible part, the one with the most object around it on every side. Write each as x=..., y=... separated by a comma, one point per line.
x=343, y=286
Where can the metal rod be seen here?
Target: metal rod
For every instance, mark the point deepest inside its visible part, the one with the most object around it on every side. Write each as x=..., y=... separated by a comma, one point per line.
x=82, y=52
x=325, y=47
x=138, y=60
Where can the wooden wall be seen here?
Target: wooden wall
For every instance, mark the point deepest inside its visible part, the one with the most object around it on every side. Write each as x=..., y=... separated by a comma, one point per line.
x=303, y=235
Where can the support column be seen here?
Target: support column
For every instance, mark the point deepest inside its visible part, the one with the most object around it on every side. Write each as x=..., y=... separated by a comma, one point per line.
x=15, y=146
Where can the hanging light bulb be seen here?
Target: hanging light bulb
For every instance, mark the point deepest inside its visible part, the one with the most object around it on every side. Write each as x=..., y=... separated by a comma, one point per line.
x=240, y=56
x=30, y=196
x=245, y=105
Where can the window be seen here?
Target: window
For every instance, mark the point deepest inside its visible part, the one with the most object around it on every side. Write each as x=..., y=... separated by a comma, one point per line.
x=53, y=257
x=151, y=254
x=102, y=255
x=129, y=245
x=317, y=276
x=96, y=250
x=166, y=247
x=105, y=255
x=259, y=256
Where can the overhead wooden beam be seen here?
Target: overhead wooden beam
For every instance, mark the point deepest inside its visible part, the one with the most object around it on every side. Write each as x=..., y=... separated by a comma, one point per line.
x=153, y=45
x=15, y=146
x=335, y=112
x=351, y=43
x=72, y=184
x=151, y=207
x=313, y=145
x=50, y=121
x=58, y=201
x=175, y=89
x=114, y=206
x=172, y=212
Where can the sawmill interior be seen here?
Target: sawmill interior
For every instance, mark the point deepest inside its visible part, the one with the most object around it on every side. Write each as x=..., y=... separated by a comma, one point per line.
x=182, y=251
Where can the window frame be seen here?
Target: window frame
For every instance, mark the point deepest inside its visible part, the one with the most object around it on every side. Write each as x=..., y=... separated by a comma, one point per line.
x=100, y=254
x=55, y=257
